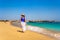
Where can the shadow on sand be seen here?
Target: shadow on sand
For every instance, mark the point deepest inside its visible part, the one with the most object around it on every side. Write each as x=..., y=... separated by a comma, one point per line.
x=20, y=31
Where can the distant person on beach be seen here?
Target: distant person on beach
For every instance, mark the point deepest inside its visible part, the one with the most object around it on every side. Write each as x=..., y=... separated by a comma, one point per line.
x=23, y=23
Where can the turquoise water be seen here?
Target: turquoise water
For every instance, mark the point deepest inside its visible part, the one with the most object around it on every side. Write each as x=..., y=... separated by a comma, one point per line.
x=51, y=26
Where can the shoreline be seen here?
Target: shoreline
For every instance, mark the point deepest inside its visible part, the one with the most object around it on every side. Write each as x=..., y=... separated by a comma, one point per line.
x=40, y=30
x=44, y=31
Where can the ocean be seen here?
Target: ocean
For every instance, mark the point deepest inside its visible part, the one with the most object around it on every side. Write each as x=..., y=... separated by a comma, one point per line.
x=55, y=26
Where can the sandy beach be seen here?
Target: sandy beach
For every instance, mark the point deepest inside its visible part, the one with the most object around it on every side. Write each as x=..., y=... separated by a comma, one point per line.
x=10, y=32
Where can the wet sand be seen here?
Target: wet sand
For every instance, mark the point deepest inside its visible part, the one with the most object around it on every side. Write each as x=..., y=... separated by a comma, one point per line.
x=10, y=32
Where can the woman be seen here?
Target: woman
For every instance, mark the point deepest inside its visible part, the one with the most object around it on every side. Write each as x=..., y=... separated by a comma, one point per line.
x=23, y=23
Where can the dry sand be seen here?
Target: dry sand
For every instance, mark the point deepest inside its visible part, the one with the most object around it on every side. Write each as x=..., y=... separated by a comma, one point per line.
x=10, y=32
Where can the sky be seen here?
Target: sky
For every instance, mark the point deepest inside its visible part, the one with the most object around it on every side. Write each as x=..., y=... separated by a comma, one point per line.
x=33, y=9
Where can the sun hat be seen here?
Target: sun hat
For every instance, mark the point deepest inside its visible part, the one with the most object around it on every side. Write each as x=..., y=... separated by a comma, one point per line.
x=22, y=14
